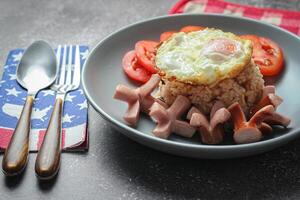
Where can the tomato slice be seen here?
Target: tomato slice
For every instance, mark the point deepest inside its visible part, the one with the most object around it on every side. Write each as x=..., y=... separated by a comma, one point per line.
x=254, y=39
x=133, y=69
x=266, y=54
x=145, y=52
x=188, y=29
x=165, y=35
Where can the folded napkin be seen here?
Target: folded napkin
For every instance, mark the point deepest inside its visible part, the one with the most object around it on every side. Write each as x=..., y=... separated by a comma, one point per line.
x=12, y=99
x=289, y=20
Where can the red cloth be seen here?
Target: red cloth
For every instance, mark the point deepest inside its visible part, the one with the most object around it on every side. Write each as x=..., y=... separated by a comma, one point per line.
x=289, y=20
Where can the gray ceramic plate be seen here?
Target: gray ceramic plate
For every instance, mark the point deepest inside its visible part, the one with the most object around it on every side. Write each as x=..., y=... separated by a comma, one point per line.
x=102, y=72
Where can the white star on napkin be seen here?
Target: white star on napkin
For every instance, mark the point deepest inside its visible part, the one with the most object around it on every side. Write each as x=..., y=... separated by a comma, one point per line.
x=17, y=57
x=69, y=97
x=12, y=76
x=48, y=92
x=67, y=118
x=84, y=54
x=83, y=105
x=12, y=91
x=80, y=91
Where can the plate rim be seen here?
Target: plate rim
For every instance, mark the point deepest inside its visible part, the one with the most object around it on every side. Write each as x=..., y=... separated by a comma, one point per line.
x=272, y=141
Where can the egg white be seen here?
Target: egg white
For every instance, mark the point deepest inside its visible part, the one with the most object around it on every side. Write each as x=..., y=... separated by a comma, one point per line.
x=193, y=58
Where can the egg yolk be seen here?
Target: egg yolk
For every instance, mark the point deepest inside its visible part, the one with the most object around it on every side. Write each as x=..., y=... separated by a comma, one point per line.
x=220, y=49
x=221, y=45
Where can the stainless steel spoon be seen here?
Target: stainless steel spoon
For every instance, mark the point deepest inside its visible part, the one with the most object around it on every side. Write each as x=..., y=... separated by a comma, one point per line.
x=36, y=70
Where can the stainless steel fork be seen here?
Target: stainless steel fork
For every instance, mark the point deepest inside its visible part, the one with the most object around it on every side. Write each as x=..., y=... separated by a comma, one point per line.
x=48, y=158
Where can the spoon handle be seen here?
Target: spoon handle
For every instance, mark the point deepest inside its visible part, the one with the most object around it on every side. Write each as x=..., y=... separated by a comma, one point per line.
x=48, y=158
x=16, y=154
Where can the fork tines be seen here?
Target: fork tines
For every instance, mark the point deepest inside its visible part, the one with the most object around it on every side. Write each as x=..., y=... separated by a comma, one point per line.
x=68, y=60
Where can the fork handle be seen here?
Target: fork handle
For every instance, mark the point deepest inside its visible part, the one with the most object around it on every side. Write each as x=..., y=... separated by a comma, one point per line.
x=48, y=158
x=16, y=154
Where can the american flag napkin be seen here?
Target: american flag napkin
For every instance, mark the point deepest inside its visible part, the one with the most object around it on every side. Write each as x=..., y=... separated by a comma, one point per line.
x=12, y=99
x=289, y=20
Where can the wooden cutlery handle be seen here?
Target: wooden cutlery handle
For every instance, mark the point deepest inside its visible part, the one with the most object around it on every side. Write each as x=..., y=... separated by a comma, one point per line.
x=16, y=154
x=48, y=158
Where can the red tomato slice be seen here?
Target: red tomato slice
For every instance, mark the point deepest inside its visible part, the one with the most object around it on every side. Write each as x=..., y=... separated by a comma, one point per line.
x=188, y=29
x=266, y=54
x=133, y=69
x=145, y=52
x=165, y=35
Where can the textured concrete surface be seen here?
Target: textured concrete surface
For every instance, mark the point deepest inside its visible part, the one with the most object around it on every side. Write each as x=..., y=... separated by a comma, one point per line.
x=116, y=167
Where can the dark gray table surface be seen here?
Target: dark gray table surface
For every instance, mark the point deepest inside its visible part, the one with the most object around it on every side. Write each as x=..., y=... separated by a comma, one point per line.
x=116, y=167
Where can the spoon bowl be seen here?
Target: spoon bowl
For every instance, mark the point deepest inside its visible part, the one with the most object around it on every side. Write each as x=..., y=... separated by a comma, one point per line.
x=35, y=70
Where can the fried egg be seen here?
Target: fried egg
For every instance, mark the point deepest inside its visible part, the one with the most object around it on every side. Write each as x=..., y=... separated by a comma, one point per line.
x=203, y=57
